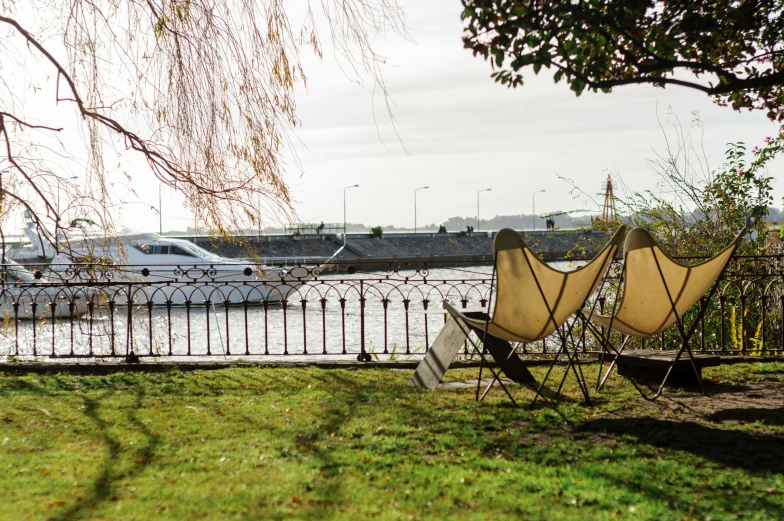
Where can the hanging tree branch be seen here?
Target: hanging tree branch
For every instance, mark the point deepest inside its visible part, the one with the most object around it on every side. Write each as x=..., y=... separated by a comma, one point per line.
x=202, y=90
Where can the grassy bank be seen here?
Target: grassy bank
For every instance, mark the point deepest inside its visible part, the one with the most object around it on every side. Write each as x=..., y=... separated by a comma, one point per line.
x=339, y=444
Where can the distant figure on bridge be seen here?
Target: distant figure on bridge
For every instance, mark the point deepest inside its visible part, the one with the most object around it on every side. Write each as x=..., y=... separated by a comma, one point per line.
x=321, y=227
x=442, y=229
x=550, y=223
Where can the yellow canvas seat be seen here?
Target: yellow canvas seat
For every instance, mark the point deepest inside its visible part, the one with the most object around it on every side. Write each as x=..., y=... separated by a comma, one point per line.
x=658, y=292
x=533, y=300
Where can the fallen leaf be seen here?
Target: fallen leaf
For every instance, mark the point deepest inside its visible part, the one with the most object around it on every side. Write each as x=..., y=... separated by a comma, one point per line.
x=56, y=504
x=296, y=499
x=617, y=513
x=46, y=471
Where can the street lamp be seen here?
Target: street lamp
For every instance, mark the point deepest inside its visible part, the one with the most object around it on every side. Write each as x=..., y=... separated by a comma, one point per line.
x=415, y=205
x=160, y=210
x=477, y=205
x=1, y=182
x=258, y=206
x=533, y=203
x=344, y=211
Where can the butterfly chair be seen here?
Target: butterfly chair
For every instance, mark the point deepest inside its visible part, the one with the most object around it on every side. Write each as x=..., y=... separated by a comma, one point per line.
x=532, y=302
x=657, y=293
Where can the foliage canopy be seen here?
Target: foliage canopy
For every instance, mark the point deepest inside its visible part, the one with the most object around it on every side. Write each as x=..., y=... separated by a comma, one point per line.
x=727, y=49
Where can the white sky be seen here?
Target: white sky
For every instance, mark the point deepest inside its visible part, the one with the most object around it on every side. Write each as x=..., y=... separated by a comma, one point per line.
x=461, y=133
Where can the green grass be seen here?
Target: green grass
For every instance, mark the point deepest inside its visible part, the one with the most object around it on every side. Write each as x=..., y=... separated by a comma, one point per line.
x=271, y=443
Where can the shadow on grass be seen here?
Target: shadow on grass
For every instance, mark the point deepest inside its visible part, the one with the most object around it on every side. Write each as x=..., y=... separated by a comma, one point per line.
x=422, y=424
x=102, y=488
x=323, y=496
x=750, y=415
x=757, y=453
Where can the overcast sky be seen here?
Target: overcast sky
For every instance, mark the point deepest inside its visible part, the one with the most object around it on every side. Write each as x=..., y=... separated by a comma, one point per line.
x=459, y=132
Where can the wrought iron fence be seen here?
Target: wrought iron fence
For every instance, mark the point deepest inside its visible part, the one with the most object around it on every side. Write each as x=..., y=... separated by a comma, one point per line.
x=238, y=311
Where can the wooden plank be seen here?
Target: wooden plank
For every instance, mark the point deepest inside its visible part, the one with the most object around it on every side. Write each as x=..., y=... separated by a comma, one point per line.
x=514, y=368
x=447, y=345
x=439, y=357
x=503, y=353
x=660, y=359
x=471, y=384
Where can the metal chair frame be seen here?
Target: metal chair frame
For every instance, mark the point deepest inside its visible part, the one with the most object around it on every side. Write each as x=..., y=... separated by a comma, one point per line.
x=685, y=336
x=573, y=359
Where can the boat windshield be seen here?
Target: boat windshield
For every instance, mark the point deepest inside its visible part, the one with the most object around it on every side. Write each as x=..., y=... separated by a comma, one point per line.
x=14, y=272
x=196, y=251
x=185, y=249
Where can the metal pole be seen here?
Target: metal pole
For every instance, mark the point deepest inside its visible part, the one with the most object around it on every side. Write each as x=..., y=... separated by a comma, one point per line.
x=160, y=210
x=258, y=209
x=415, y=205
x=477, y=205
x=58, y=192
x=533, y=203
x=344, y=211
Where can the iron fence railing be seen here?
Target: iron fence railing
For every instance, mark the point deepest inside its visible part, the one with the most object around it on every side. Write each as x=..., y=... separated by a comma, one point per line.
x=133, y=312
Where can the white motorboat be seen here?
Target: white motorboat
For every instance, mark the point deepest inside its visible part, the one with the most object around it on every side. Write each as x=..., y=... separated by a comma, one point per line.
x=20, y=289
x=170, y=271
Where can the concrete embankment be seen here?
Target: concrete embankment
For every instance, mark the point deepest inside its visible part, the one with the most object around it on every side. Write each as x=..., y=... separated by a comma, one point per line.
x=368, y=253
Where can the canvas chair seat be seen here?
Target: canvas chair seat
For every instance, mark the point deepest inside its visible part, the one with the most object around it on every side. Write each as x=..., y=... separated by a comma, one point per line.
x=533, y=300
x=658, y=292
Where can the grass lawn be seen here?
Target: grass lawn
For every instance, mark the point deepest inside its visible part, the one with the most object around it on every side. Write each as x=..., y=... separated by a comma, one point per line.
x=271, y=443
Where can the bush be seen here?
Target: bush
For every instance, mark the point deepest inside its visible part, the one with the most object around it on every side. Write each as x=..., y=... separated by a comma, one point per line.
x=377, y=231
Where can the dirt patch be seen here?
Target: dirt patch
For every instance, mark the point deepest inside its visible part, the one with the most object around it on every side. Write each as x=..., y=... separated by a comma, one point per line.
x=748, y=403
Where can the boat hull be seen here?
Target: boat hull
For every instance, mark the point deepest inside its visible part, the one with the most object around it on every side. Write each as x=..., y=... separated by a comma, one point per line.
x=197, y=288
x=17, y=303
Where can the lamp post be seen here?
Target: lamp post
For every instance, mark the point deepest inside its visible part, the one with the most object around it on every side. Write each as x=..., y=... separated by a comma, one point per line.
x=58, y=192
x=160, y=210
x=477, y=205
x=415, y=205
x=533, y=203
x=344, y=211
x=258, y=209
